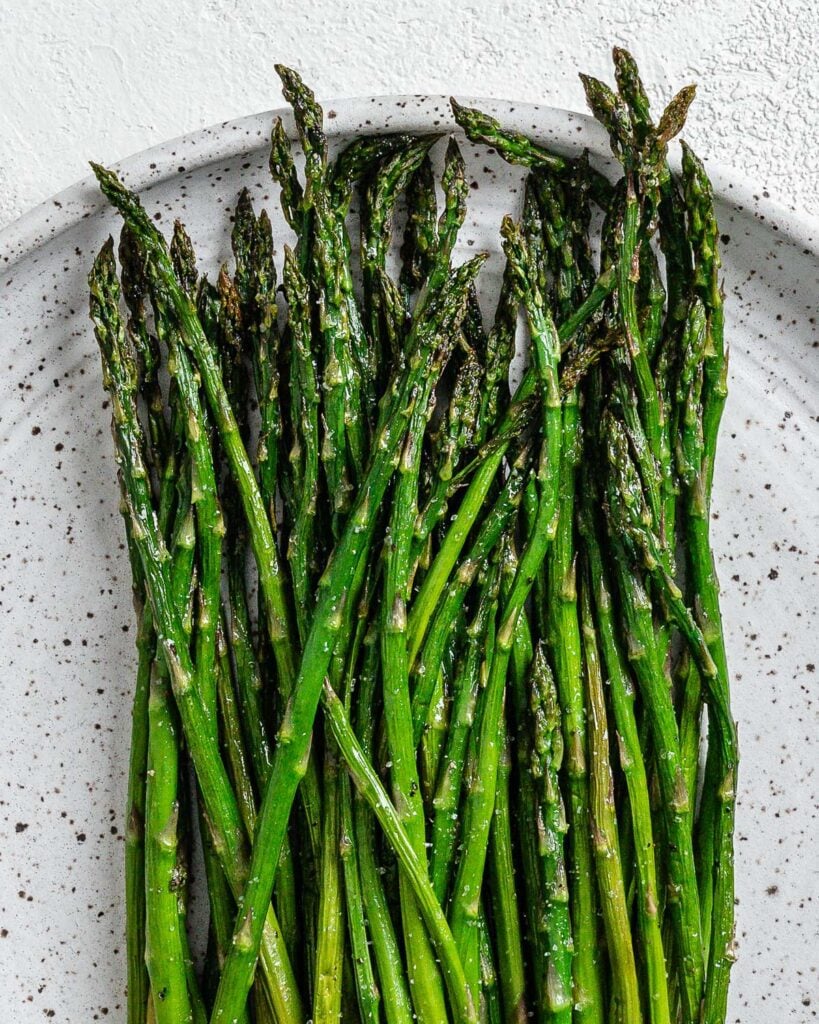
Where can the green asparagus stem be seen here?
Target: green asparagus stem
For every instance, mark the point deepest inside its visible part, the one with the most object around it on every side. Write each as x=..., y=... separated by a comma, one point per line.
x=421, y=233
x=174, y=301
x=301, y=544
x=389, y=181
x=489, y=534
x=425, y=984
x=357, y=160
x=642, y=650
x=505, y=908
x=348, y=372
x=500, y=348
x=480, y=800
x=327, y=996
x=490, y=1001
x=165, y=941
x=233, y=742
x=722, y=731
x=341, y=453
x=515, y=147
x=249, y=307
x=625, y=994
x=369, y=997
x=253, y=300
x=138, y=991
x=563, y=631
x=460, y=429
x=468, y=678
x=555, y=985
x=163, y=947
x=391, y=973
x=633, y=767
x=367, y=781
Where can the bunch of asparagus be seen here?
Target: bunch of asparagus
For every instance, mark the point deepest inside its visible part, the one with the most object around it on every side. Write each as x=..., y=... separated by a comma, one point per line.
x=425, y=664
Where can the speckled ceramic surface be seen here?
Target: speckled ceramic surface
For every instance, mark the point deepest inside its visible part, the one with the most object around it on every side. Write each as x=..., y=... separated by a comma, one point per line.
x=67, y=651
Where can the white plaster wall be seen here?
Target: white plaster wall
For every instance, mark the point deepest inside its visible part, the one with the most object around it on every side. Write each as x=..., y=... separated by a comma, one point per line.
x=106, y=78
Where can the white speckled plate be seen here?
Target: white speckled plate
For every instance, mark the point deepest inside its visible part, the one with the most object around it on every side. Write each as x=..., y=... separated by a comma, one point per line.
x=65, y=612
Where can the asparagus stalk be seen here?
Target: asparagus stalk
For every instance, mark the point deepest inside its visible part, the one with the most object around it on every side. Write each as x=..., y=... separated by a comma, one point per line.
x=347, y=371
x=625, y=995
x=722, y=731
x=470, y=675
x=491, y=530
x=426, y=987
x=555, y=985
x=490, y=1001
x=380, y=196
x=164, y=953
x=643, y=653
x=421, y=232
x=165, y=940
x=480, y=800
x=357, y=161
x=633, y=767
x=327, y=996
x=515, y=147
x=138, y=982
x=178, y=306
x=505, y=905
x=391, y=972
x=367, y=781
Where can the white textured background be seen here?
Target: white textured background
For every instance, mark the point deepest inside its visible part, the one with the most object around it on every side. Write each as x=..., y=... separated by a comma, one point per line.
x=92, y=78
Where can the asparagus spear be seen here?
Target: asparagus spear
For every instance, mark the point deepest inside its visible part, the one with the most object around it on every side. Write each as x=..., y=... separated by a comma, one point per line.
x=138, y=982
x=165, y=940
x=421, y=232
x=633, y=767
x=480, y=800
x=722, y=731
x=470, y=674
x=515, y=147
x=555, y=986
x=327, y=995
x=379, y=199
x=164, y=953
x=348, y=371
x=237, y=317
x=560, y=618
x=367, y=781
x=505, y=906
x=625, y=996
x=391, y=973
x=490, y=1001
x=491, y=530
x=426, y=988
x=356, y=162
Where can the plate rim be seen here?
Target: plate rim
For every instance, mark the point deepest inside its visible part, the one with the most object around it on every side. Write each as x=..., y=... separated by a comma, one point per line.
x=149, y=167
